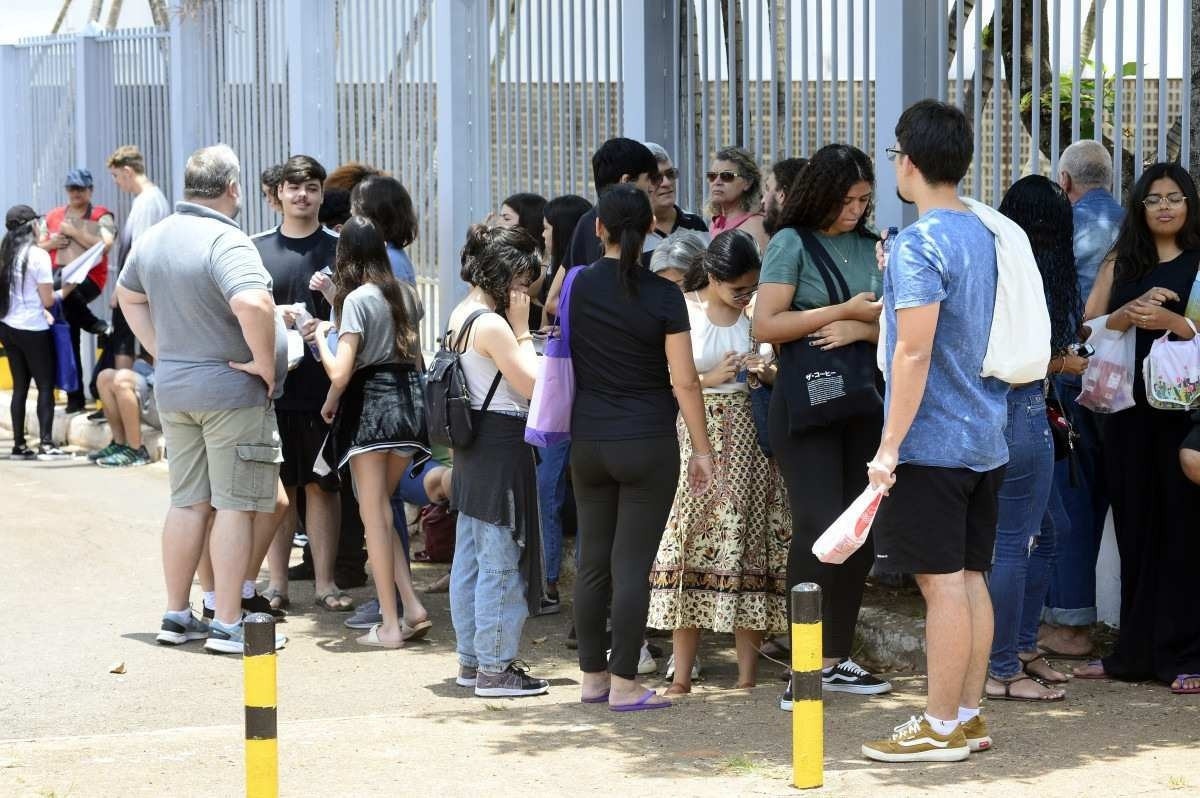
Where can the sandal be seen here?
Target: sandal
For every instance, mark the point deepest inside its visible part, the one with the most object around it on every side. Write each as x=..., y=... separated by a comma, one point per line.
x=1041, y=662
x=416, y=631
x=371, y=638
x=335, y=601
x=279, y=600
x=1094, y=669
x=1054, y=695
x=1180, y=679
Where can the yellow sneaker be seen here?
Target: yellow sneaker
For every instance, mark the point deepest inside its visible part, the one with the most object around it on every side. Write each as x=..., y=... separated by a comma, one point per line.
x=916, y=741
x=976, y=732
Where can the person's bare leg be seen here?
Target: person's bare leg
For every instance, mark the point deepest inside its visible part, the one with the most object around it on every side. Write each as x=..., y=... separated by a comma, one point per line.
x=280, y=551
x=982, y=621
x=182, y=542
x=684, y=644
x=105, y=386
x=229, y=546
x=414, y=610
x=265, y=525
x=370, y=473
x=747, y=642
x=948, y=641
x=204, y=571
x=129, y=409
x=322, y=511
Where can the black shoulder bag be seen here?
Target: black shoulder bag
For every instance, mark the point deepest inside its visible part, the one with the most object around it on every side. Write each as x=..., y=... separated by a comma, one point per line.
x=824, y=387
x=447, y=400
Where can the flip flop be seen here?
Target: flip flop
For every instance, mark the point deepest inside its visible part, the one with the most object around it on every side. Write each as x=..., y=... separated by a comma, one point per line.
x=371, y=638
x=415, y=632
x=323, y=601
x=641, y=704
x=596, y=699
x=1046, y=650
x=1008, y=696
x=1090, y=663
x=1186, y=690
x=273, y=595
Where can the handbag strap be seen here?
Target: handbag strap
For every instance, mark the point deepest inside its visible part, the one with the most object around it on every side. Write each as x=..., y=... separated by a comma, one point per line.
x=830, y=274
x=564, y=305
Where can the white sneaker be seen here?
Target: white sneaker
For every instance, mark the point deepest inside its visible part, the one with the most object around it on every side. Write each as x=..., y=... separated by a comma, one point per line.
x=671, y=668
x=646, y=662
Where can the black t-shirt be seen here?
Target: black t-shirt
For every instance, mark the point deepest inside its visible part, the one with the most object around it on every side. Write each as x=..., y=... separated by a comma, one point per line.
x=623, y=387
x=584, y=247
x=292, y=263
x=683, y=221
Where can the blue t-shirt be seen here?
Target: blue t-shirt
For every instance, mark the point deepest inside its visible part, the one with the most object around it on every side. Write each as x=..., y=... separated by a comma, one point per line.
x=950, y=257
x=401, y=266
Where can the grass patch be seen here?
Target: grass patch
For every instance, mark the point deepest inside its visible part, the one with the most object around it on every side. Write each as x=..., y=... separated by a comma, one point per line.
x=745, y=765
x=495, y=708
x=1177, y=783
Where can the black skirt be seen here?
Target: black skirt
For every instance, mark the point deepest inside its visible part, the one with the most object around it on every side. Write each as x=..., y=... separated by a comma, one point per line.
x=382, y=410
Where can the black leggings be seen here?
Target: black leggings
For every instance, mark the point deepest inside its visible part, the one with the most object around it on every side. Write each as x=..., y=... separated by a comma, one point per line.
x=825, y=470
x=80, y=317
x=30, y=358
x=623, y=495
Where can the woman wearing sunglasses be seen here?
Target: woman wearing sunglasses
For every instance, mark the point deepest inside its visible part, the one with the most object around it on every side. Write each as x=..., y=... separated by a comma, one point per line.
x=722, y=561
x=735, y=194
x=823, y=230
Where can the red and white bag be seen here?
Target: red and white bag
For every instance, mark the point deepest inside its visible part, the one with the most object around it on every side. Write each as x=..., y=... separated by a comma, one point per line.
x=849, y=531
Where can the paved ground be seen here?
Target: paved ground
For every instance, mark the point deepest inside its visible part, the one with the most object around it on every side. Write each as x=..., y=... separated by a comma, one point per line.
x=80, y=585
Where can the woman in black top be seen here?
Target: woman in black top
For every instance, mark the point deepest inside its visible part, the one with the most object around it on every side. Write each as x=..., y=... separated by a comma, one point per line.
x=1145, y=284
x=627, y=327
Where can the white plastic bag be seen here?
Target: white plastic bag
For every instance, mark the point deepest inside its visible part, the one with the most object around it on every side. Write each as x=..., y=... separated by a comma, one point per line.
x=1172, y=373
x=1108, y=380
x=847, y=534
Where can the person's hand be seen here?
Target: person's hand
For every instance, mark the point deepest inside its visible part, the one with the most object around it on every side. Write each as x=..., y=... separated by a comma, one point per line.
x=1158, y=296
x=323, y=329
x=259, y=370
x=1071, y=364
x=754, y=364
x=835, y=334
x=700, y=473
x=881, y=471
x=1146, y=315
x=67, y=229
x=59, y=241
x=112, y=301
x=518, y=312
x=723, y=372
x=48, y=316
x=863, y=307
x=321, y=283
x=308, y=330
x=329, y=409
x=880, y=255
x=289, y=315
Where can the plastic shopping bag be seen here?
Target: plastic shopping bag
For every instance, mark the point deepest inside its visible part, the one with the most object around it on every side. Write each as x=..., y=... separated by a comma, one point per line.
x=847, y=534
x=1172, y=373
x=1108, y=380
x=550, y=408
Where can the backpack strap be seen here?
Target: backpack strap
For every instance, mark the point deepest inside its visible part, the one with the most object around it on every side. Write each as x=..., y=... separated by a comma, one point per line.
x=460, y=335
x=460, y=338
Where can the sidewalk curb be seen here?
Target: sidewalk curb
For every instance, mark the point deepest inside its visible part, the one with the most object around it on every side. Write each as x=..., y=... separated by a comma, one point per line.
x=75, y=428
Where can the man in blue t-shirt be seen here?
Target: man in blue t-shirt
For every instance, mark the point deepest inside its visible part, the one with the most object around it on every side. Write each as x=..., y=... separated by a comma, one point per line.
x=943, y=451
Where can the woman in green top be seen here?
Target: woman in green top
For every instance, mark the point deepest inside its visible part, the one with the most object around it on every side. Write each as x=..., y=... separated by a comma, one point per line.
x=831, y=199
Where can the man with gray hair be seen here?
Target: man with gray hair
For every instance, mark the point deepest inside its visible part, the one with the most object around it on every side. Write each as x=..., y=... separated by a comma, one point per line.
x=195, y=293
x=668, y=217
x=1086, y=174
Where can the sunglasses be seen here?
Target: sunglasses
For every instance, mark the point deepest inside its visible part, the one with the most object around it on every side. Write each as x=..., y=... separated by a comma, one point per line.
x=656, y=178
x=726, y=177
x=668, y=174
x=893, y=153
x=1174, y=200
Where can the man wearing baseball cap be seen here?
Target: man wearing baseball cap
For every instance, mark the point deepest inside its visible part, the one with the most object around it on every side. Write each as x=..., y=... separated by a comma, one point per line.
x=71, y=230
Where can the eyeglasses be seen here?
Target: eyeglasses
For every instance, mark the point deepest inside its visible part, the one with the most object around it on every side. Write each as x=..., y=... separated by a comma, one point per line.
x=893, y=153
x=726, y=177
x=747, y=294
x=1174, y=200
x=656, y=178
x=668, y=174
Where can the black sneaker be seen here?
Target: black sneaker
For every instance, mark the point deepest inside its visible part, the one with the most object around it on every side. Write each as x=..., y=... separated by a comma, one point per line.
x=209, y=614
x=848, y=677
x=96, y=417
x=513, y=682
x=785, y=703
x=48, y=451
x=260, y=603
x=550, y=604
x=22, y=453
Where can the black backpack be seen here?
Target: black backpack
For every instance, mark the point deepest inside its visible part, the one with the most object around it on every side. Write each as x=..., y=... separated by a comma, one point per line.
x=447, y=400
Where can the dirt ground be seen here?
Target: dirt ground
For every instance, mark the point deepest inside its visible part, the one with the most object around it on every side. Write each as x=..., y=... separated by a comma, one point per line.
x=80, y=583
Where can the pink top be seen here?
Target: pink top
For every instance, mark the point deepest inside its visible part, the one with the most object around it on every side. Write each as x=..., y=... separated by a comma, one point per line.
x=722, y=223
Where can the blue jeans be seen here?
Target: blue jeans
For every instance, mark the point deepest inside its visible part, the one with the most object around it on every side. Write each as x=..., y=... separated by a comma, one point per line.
x=487, y=595
x=552, y=492
x=1072, y=597
x=1019, y=578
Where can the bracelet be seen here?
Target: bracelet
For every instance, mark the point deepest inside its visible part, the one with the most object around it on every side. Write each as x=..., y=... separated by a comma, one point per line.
x=701, y=456
x=524, y=337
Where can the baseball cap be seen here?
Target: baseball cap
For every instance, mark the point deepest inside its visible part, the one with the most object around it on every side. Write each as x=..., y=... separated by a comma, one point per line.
x=78, y=178
x=18, y=215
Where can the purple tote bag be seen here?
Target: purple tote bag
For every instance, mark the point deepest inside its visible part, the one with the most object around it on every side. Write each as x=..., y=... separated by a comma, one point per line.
x=554, y=393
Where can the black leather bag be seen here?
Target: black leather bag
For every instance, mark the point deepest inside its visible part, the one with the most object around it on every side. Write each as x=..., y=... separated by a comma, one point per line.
x=825, y=387
x=447, y=400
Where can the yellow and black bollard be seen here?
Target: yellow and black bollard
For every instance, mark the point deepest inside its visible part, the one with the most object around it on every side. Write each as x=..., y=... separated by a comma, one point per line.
x=262, y=751
x=808, y=711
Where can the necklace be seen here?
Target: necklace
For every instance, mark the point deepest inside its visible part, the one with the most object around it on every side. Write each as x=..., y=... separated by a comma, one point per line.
x=837, y=249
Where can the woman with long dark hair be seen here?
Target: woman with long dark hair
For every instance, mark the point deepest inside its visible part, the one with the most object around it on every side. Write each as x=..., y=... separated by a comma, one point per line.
x=1145, y=285
x=26, y=290
x=562, y=215
x=376, y=410
x=385, y=201
x=496, y=581
x=1026, y=524
x=722, y=561
x=631, y=350
x=824, y=221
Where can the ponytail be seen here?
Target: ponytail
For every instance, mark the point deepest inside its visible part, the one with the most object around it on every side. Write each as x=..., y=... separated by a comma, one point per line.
x=631, y=259
x=625, y=212
x=14, y=256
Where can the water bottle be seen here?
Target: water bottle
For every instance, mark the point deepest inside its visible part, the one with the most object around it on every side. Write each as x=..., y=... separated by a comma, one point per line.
x=303, y=318
x=888, y=242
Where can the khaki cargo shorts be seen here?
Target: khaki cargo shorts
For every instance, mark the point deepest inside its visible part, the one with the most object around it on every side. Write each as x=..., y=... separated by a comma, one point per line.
x=226, y=458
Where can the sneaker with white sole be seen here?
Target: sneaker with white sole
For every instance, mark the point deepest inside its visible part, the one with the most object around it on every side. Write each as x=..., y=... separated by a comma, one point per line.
x=365, y=616
x=467, y=677
x=785, y=703
x=671, y=668
x=224, y=639
x=48, y=451
x=976, y=732
x=176, y=633
x=916, y=741
x=848, y=677
x=515, y=681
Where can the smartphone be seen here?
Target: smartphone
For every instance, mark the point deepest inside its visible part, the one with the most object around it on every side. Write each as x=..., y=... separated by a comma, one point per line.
x=1082, y=350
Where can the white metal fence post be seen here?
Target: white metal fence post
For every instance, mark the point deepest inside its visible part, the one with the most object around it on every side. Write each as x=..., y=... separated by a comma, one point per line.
x=311, y=53
x=190, y=99
x=460, y=45
x=650, y=71
x=14, y=183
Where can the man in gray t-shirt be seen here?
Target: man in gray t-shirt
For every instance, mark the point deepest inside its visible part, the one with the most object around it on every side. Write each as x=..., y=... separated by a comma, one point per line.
x=195, y=293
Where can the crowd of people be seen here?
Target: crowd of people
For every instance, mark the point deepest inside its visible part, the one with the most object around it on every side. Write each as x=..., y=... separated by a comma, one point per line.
x=709, y=447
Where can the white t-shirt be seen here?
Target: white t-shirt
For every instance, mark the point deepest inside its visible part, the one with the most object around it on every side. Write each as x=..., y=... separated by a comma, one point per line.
x=24, y=304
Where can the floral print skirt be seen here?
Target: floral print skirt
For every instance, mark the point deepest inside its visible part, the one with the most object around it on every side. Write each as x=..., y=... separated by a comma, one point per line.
x=722, y=562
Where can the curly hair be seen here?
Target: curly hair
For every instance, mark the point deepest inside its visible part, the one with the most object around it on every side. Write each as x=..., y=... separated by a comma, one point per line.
x=747, y=168
x=1041, y=208
x=731, y=254
x=362, y=258
x=494, y=257
x=1136, y=254
x=817, y=194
